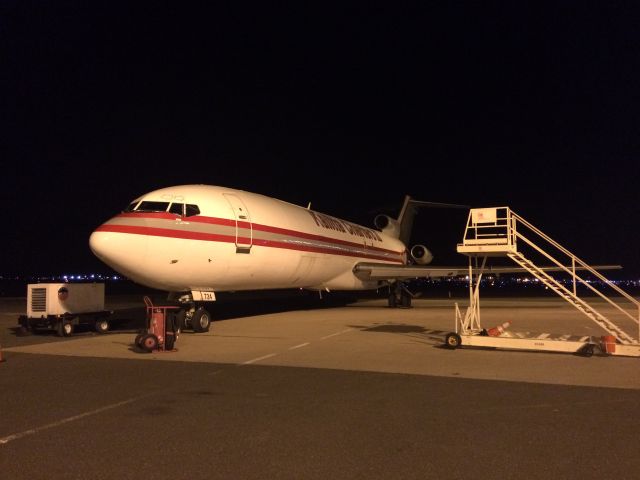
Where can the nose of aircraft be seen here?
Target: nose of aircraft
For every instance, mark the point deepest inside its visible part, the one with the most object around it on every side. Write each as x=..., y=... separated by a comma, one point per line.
x=99, y=245
x=121, y=251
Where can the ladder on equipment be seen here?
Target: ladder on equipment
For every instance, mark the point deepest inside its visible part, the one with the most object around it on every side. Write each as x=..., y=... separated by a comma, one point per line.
x=499, y=232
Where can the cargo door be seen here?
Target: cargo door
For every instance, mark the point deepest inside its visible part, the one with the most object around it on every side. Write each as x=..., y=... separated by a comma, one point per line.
x=244, y=227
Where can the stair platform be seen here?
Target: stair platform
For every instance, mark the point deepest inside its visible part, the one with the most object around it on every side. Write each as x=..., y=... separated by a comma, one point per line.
x=486, y=249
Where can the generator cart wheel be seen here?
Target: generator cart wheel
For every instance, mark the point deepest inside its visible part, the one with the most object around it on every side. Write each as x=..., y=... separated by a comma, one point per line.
x=452, y=340
x=64, y=328
x=138, y=339
x=102, y=326
x=201, y=320
x=149, y=342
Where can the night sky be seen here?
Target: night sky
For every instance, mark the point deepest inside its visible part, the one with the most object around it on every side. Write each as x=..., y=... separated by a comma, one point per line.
x=349, y=106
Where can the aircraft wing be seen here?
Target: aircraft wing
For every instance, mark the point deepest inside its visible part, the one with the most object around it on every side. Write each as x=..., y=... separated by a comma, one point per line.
x=385, y=271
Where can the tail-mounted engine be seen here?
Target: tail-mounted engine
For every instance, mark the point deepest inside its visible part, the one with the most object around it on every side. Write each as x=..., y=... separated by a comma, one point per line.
x=387, y=225
x=421, y=254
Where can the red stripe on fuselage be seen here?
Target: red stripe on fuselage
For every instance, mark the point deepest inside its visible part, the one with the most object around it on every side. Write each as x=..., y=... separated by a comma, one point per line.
x=160, y=215
x=257, y=226
x=166, y=232
x=212, y=237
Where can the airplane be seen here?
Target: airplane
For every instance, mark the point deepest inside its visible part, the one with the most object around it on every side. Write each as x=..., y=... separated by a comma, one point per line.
x=196, y=240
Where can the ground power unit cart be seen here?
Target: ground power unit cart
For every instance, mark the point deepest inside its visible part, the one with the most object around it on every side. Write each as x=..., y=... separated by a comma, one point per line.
x=63, y=306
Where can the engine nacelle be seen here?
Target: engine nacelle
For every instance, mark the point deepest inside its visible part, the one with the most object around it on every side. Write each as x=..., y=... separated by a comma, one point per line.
x=387, y=225
x=421, y=254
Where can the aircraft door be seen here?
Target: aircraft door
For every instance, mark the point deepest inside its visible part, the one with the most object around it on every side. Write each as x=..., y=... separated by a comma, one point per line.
x=244, y=227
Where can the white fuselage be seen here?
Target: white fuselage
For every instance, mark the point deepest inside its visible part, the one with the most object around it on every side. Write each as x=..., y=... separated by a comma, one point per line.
x=230, y=240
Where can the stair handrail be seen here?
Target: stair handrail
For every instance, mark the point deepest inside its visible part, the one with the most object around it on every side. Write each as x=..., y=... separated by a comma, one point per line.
x=556, y=286
x=578, y=277
x=573, y=257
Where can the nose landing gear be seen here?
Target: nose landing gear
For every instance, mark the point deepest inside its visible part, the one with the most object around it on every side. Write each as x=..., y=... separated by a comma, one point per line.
x=192, y=316
x=201, y=320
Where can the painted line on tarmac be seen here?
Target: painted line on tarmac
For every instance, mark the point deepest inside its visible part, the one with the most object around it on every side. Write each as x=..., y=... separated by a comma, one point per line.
x=295, y=347
x=336, y=334
x=33, y=431
x=264, y=357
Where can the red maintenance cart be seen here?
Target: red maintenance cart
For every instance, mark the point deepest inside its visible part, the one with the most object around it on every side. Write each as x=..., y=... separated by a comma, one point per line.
x=162, y=328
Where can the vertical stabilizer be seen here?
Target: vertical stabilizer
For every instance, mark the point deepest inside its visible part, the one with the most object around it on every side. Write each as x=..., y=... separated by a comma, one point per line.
x=408, y=214
x=405, y=219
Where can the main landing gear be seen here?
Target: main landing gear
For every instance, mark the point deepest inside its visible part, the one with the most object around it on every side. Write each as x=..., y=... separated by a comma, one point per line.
x=399, y=296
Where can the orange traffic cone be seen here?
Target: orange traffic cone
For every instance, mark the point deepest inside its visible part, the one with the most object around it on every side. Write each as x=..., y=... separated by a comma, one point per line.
x=608, y=343
x=497, y=331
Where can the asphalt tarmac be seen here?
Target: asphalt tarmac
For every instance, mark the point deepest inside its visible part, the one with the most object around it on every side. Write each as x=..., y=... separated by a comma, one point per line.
x=288, y=389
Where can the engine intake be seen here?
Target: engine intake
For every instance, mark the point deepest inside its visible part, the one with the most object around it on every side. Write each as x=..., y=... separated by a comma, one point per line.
x=387, y=225
x=421, y=255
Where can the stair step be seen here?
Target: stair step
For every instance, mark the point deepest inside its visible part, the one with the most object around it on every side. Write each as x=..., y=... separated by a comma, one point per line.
x=567, y=295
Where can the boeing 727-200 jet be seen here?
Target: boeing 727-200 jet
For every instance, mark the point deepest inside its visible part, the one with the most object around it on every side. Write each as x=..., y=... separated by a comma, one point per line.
x=196, y=240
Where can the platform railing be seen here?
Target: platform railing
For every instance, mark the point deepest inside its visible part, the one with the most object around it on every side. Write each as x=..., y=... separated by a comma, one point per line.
x=486, y=228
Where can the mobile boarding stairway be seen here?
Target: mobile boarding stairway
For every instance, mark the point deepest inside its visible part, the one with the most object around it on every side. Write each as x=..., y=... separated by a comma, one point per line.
x=500, y=232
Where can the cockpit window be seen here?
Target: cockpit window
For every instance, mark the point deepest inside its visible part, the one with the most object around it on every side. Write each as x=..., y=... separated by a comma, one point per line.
x=191, y=210
x=176, y=208
x=131, y=207
x=181, y=209
x=152, y=207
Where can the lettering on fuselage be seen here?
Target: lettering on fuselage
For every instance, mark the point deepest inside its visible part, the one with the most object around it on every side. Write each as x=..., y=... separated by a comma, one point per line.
x=331, y=223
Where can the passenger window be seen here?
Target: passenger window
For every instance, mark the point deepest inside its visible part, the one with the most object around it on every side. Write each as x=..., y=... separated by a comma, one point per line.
x=152, y=207
x=176, y=208
x=192, y=210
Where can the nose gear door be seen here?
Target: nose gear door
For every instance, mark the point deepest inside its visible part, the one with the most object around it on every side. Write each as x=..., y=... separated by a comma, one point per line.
x=244, y=227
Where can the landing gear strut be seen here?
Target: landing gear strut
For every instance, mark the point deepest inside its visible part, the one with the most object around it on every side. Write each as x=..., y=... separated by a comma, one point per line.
x=400, y=296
